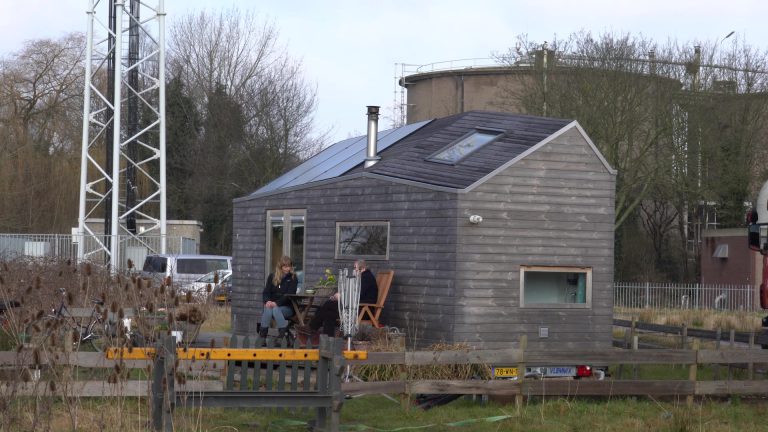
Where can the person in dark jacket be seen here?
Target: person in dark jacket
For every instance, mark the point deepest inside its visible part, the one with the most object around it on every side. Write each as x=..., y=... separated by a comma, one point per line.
x=328, y=313
x=277, y=305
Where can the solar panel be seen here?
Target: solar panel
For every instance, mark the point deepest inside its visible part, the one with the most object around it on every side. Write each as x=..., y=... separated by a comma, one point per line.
x=337, y=159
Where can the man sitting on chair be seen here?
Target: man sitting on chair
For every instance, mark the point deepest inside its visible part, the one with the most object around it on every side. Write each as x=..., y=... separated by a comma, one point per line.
x=328, y=313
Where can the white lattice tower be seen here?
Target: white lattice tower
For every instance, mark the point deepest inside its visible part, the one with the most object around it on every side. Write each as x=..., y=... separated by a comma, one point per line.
x=123, y=140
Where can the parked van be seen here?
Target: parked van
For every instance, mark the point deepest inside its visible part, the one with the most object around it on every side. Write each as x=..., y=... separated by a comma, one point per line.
x=183, y=269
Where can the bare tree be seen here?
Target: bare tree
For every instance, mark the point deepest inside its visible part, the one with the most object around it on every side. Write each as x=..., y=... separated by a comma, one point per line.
x=683, y=126
x=40, y=119
x=255, y=109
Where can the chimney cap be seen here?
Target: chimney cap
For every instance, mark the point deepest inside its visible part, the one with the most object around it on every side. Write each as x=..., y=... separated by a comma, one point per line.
x=373, y=109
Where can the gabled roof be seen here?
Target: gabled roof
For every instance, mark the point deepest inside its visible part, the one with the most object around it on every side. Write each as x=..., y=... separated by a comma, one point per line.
x=405, y=152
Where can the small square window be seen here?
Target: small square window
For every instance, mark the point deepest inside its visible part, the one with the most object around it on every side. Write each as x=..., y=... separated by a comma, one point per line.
x=555, y=287
x=465, y=145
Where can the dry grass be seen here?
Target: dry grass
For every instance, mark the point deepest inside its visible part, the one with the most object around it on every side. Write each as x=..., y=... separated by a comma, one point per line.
x=219, y=319
x=36, y=284
x=706, y=319
x=384, y=343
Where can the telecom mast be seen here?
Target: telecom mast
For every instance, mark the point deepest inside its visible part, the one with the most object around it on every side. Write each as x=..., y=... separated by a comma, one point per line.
x=123, y=146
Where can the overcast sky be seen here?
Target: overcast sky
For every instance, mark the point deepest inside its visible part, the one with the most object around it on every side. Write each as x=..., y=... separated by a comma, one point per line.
x=349, y=48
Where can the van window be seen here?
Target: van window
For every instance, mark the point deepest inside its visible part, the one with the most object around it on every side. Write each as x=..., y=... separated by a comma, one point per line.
x=155, y=264
x=200, y=266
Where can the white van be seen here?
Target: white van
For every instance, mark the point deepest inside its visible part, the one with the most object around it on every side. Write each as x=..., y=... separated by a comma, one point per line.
x=183, y=269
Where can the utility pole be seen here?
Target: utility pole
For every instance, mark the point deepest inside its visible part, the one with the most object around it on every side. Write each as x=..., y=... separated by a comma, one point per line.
x=123, y=141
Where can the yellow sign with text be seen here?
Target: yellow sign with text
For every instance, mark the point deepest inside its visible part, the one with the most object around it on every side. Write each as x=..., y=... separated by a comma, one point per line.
x=505, y=372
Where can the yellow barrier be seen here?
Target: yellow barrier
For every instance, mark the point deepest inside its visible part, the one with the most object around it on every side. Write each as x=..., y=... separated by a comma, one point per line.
x=230, y=354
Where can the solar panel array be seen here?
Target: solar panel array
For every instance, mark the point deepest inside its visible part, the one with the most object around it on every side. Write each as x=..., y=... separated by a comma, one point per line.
x=337, y=159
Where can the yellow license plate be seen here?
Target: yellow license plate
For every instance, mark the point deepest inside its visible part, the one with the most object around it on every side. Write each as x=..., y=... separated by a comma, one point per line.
x=505, y=372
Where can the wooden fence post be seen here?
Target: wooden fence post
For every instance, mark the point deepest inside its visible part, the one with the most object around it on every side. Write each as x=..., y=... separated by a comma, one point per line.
x=635, y=346
x=750, y=365
x=323, y=368
x=627, y=339
x=163, y=385
x=731, y=345
x=692, y=371
x=336, y=372
x=521, y=372
x=684, y=336
x=716, y=366
x=158, y=371
x=170, y=382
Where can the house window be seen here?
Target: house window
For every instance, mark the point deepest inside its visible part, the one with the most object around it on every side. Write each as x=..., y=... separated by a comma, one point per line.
x=555, y=287
x=286, y=236
x=369, y=240
x=465, y=145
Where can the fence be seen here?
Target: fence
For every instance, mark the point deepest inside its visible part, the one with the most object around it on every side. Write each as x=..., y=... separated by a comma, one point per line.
x=684, y=296
x=518, y=357
x=64, y=246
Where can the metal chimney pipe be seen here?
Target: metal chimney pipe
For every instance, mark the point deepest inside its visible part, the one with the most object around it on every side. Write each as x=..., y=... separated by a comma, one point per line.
x=373, y=135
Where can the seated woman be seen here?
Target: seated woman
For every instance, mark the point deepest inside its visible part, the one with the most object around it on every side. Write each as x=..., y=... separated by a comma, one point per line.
x=277, y=305
x=328, y=313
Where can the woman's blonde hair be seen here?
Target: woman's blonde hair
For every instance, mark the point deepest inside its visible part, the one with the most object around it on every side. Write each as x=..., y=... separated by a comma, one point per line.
x=284, y=260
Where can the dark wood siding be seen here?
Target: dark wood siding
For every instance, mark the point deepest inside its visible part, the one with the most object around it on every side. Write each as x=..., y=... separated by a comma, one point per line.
x=555, y=207
x=422, y=248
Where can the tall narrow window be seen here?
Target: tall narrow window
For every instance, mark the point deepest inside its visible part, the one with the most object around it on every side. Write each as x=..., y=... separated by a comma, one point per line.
x=555, y=287
x=286, y=236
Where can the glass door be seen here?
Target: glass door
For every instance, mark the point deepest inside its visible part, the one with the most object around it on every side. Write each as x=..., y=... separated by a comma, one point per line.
x=286, y=236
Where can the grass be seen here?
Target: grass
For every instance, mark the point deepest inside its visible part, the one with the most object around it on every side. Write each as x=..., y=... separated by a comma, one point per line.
x=706, y=319
x=365, y=413
x=218, y=319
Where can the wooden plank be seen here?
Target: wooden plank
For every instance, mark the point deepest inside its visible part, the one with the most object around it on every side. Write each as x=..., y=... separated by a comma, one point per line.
x=551, y=387
x=103, y=389
x=81, y=359
x=462, y=357
x=608, y=388
x=733, y=356
x=607, y=357
x=732, y=387
x=377, y=387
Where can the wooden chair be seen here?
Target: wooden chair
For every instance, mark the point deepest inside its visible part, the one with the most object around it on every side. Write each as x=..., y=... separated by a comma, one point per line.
x=370, y=312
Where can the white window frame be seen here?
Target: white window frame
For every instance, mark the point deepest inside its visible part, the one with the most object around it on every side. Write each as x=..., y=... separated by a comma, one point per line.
x=557, y=269
x=337, y=252
x=287, y=233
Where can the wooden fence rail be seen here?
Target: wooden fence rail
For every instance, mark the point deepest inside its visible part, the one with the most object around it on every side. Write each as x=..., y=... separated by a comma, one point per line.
x=232, y=371
x=742, y=337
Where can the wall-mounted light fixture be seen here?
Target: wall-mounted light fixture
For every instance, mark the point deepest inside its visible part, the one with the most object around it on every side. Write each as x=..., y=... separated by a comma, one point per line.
x=475, y=219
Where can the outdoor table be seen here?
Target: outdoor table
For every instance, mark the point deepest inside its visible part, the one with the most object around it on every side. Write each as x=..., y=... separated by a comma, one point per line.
x=302, y=305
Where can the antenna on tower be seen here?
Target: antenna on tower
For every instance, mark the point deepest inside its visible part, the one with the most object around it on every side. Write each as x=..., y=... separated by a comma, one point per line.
x=123, y=141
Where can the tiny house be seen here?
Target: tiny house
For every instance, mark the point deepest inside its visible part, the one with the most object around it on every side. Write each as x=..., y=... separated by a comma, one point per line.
x=495, y=225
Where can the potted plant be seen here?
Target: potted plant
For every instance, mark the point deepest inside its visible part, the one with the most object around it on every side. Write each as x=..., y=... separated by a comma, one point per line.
x=326, y=284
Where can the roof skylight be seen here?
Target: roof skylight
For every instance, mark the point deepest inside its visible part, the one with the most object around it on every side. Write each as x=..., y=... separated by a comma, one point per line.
x=465, y=145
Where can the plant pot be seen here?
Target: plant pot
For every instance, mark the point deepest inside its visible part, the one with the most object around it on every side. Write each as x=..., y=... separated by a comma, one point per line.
x=361, y=345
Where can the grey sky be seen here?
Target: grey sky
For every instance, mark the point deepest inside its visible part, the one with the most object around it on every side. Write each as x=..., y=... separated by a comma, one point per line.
x=349, y=48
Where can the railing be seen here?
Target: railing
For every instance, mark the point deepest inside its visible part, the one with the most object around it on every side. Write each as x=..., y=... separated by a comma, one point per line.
x=468, y=63
x=65, y=246
x=684, y=296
